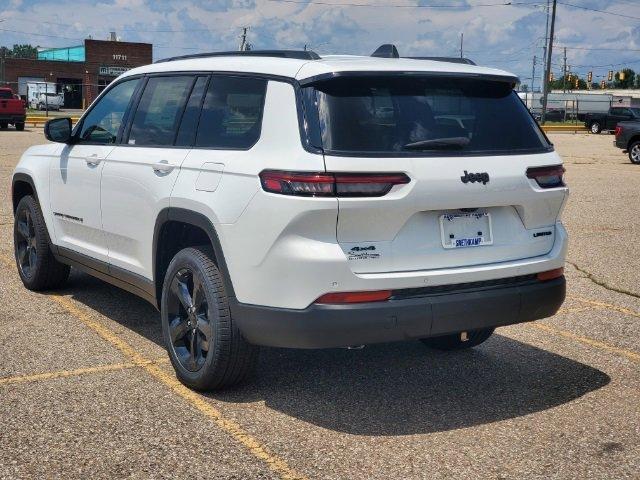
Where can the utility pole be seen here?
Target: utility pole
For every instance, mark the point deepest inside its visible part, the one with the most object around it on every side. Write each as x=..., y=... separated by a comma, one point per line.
x=548, y=65
x=244, y=45
x=461, y=44
x=533, y=76
x=546, y=40
x=564, y=72
x=2, y=57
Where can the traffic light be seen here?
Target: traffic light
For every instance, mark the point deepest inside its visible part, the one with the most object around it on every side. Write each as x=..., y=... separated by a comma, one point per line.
x=621, y=76
x=589, y=77
x=551, y=76
x=577, y=82
x=603, y=84
x=610, y=77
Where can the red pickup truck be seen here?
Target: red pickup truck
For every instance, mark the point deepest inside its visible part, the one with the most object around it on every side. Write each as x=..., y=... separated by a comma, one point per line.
x=12, y=109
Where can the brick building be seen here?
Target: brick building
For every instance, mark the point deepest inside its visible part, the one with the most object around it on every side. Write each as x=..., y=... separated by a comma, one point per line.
x=80, y=72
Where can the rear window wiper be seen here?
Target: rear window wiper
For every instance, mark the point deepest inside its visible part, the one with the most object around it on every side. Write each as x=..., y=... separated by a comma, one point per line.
x=438, y=143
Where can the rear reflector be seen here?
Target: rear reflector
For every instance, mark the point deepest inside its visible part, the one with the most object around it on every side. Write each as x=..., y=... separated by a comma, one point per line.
x=550, y=274
x=547, y=177
x=354, y=297
x=330, y=184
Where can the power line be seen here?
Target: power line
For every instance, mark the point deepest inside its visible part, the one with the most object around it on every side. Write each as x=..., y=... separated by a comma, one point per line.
x=344, y=4
x=599, y=11
x=137, y=30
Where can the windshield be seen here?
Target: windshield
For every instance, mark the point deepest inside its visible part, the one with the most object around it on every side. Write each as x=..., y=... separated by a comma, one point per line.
x=421, y=115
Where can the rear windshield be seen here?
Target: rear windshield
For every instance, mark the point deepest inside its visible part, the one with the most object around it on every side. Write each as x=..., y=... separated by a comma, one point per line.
x=5, y=94
x=420, y=116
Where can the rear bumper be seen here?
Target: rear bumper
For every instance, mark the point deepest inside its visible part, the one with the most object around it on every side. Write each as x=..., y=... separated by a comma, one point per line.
x=10, y=118
x=429, y=314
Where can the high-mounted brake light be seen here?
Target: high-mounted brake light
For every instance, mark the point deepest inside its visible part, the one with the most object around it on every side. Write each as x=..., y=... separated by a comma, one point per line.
x=354, y=297
x=547, y=177
x=330, y=184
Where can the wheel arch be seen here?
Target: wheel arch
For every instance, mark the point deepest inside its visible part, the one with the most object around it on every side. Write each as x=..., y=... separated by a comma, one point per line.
x=178, y=228
x=21, y=186
x=635, y=138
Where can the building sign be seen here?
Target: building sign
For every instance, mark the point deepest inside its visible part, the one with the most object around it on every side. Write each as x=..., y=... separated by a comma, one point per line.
x=118, y=56
x=111, y=71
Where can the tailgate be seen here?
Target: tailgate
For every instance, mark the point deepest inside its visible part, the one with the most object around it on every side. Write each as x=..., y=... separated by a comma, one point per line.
x=416, y=226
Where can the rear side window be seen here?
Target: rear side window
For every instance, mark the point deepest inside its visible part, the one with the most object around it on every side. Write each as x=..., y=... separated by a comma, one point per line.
x=159, y=110
x=391, y=115
x=231, y=115
x=189, y=124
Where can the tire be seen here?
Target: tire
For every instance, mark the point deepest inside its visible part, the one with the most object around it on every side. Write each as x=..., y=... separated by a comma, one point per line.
x=195, y=314
x=3, y=125
x=37, y=267
x=634, y=152
x=595, y=127
x=20, y=127
x=455, y=342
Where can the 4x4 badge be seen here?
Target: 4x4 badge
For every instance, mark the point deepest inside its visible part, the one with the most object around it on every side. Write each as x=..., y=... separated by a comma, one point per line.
x=475, y=177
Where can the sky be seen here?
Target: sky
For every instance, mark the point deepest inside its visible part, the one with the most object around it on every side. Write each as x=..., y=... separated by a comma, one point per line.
x=495, y=34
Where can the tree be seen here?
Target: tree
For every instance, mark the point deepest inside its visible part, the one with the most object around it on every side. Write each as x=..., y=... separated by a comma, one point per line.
x=628, y=81
x=20, y=51
x=568, y=84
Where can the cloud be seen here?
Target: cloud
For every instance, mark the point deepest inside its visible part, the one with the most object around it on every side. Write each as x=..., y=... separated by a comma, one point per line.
x=503, y=36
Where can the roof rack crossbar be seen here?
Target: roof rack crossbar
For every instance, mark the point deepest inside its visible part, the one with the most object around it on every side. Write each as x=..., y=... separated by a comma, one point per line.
x=295, y=54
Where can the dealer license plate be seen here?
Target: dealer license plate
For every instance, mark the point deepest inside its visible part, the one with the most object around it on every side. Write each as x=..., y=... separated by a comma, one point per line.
x=461, y=230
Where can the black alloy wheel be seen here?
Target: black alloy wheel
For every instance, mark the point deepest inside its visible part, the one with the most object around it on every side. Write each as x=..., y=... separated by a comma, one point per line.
x=205, y=346
x=190, y=330
x=26, y=243
x=37, y=266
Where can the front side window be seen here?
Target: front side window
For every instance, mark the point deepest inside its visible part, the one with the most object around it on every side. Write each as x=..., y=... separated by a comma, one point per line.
x=421, y=115
x=103, y=122
x=232, y=113
x=158, y=114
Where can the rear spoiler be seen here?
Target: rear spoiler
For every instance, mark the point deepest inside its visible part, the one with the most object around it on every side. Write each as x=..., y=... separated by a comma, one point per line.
x=513, y=80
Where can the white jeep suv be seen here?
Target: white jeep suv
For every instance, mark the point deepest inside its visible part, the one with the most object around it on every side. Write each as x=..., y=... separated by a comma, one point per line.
x=281, y=199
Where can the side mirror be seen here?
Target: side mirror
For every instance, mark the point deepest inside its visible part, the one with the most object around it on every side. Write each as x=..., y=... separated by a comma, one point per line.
x=58, y=130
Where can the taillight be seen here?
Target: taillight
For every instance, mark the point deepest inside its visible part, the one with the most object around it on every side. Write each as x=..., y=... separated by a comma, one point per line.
x=618, y=130
x=547, y=177
x=354, y=297
x=291, y=183
x=550, y=274
x=330, y=184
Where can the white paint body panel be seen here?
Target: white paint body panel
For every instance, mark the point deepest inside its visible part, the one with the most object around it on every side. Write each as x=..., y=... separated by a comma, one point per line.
x=133, y=194
x=75, y=199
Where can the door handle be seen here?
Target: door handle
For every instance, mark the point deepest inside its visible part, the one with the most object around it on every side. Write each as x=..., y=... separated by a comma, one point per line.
x=93, y=160
x=163, y=166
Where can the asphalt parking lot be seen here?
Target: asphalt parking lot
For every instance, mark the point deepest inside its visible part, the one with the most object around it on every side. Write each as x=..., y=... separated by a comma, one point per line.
x=86, y=389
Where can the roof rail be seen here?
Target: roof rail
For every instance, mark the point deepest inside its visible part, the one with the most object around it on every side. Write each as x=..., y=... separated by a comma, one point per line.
x=466, y=61
x=296, y=54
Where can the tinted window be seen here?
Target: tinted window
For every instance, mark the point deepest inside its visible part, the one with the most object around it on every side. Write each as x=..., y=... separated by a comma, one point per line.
x=232, y=113
x=102, y=123
x=189, y=122
x=158, y=113
x=5, y=94
x=428, y=116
